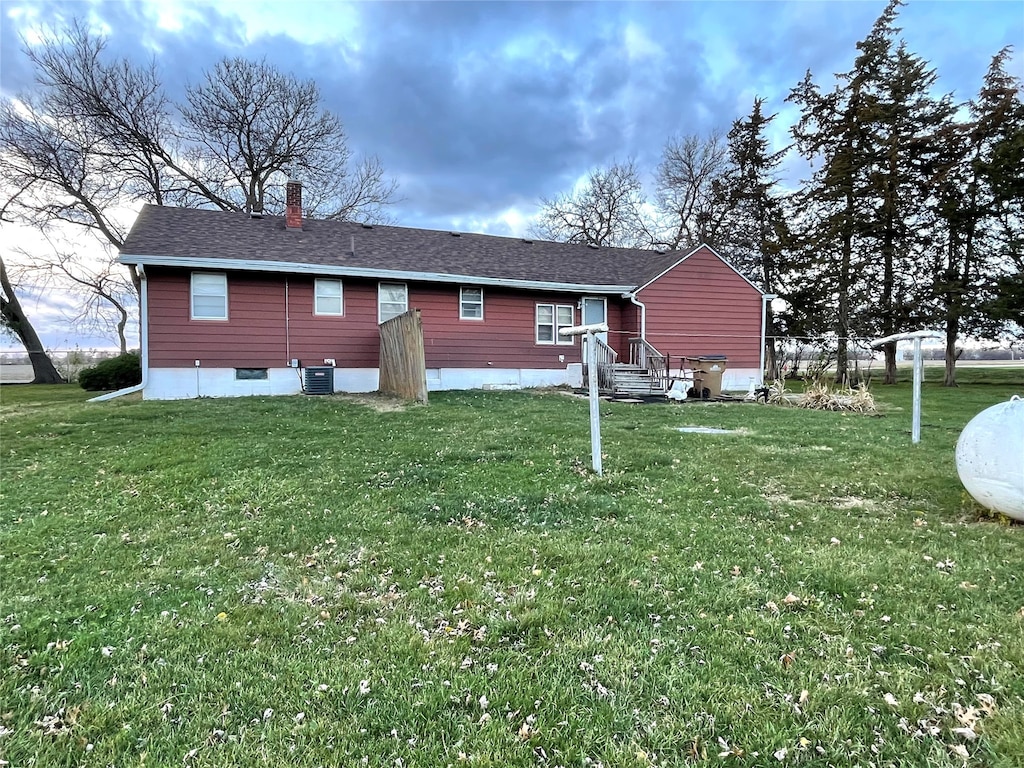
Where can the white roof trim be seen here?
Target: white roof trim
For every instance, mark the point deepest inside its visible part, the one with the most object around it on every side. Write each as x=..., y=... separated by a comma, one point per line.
x=252, y=265
x=714, y=253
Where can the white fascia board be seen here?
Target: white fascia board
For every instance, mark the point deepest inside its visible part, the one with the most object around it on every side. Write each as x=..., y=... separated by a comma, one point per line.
x=252, y=265
x=715, y=253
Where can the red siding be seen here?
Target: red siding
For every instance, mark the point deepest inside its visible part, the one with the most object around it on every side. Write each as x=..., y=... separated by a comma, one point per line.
x=257, y=334
x=703, y=307
x=628, y=327
x=352, y=339
x=616, y=324
x=506, y=337
x=253, y=335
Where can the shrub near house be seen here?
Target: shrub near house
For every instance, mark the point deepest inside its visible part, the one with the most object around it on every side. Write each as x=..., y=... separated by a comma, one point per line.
x=115, y=373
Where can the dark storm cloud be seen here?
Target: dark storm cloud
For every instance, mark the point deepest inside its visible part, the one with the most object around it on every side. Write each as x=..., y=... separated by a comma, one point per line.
x=481, y=107
x=497, y=107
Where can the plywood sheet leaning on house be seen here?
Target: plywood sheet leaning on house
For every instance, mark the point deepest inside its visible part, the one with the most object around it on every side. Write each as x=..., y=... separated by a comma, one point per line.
x=403, y=370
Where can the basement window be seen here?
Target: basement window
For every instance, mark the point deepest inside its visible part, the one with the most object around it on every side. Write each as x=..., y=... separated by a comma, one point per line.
x=471, y=303
x=250, y=374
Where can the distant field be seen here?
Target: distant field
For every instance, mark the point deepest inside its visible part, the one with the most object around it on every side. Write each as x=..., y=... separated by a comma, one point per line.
x=22, y=374
x=15, y=374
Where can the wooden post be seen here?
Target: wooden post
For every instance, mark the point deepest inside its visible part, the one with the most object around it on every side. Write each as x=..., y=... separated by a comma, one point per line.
x=591, y=331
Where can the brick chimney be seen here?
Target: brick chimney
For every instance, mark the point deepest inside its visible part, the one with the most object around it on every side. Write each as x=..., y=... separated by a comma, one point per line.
x=293, y=204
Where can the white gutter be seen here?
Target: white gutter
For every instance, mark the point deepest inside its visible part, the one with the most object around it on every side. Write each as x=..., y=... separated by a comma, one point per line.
x=765, y=298
x=255, y=265
x=143, y=344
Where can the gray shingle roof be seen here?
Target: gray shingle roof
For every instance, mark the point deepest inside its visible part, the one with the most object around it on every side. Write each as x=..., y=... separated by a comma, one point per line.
x=165, y=232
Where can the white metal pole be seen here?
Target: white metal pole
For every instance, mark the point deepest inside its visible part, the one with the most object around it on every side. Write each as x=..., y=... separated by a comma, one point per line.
x=918, y=337
x=595, y=411
x=915, y=432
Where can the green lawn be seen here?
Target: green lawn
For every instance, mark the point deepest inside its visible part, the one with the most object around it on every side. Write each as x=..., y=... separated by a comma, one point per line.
x=332, y=581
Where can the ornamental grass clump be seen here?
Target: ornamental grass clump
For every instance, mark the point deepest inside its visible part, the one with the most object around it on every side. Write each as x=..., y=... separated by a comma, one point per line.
x=821, y=397
x=779, y=395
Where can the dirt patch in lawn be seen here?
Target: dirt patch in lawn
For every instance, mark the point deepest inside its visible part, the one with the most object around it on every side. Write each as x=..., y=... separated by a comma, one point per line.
x=379, y=403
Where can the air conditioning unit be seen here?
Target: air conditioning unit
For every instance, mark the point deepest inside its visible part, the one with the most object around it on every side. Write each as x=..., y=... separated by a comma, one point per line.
x=319, y=380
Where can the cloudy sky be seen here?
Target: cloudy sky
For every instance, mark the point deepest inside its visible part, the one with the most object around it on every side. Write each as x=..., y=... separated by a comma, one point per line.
x=480, y=109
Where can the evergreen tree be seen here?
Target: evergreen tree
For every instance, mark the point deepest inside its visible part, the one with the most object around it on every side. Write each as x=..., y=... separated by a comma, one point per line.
x=903, y=117
x=978, y=206
x=757, y=222
x=829, y=131
x=865, y=209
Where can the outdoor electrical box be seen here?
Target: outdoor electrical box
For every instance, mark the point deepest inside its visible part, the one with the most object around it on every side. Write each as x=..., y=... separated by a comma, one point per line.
x=319, y=380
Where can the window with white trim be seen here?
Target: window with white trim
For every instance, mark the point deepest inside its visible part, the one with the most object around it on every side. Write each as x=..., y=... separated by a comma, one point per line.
x=551, y=318
x=471, y=303
x=209, y=296
x=392, y=300
x=327, y=297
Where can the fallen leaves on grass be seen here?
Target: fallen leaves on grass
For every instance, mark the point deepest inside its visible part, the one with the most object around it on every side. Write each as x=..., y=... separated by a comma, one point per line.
x=59, y=723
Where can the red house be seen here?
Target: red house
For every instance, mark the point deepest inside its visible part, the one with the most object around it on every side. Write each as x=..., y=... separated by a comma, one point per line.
x=238, y=304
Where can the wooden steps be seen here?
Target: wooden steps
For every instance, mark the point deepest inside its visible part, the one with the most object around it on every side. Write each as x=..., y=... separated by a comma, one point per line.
x=634, y=380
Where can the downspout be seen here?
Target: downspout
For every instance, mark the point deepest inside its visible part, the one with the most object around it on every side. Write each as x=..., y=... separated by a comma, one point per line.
x=143, y=342
x=643, y=320
x=643, y=314
x=287, y=325
x=765, y=298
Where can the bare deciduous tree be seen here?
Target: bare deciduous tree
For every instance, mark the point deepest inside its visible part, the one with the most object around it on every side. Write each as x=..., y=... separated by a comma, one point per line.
x=108, y=293
x=605, y=211
x=13, y=319
x=99, y=135
x=693, y=191
x=247, y=122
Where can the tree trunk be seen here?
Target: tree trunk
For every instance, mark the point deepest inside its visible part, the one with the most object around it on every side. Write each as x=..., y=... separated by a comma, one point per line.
x=121, y=339
x=771, y=362
x=843, y=311
x=952, y=331
x=890, y=363
x=888, y=312
x=42, y=367
x=955, y=281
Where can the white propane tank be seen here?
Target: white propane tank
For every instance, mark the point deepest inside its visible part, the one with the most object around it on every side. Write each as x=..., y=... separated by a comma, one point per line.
x=990, y=458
